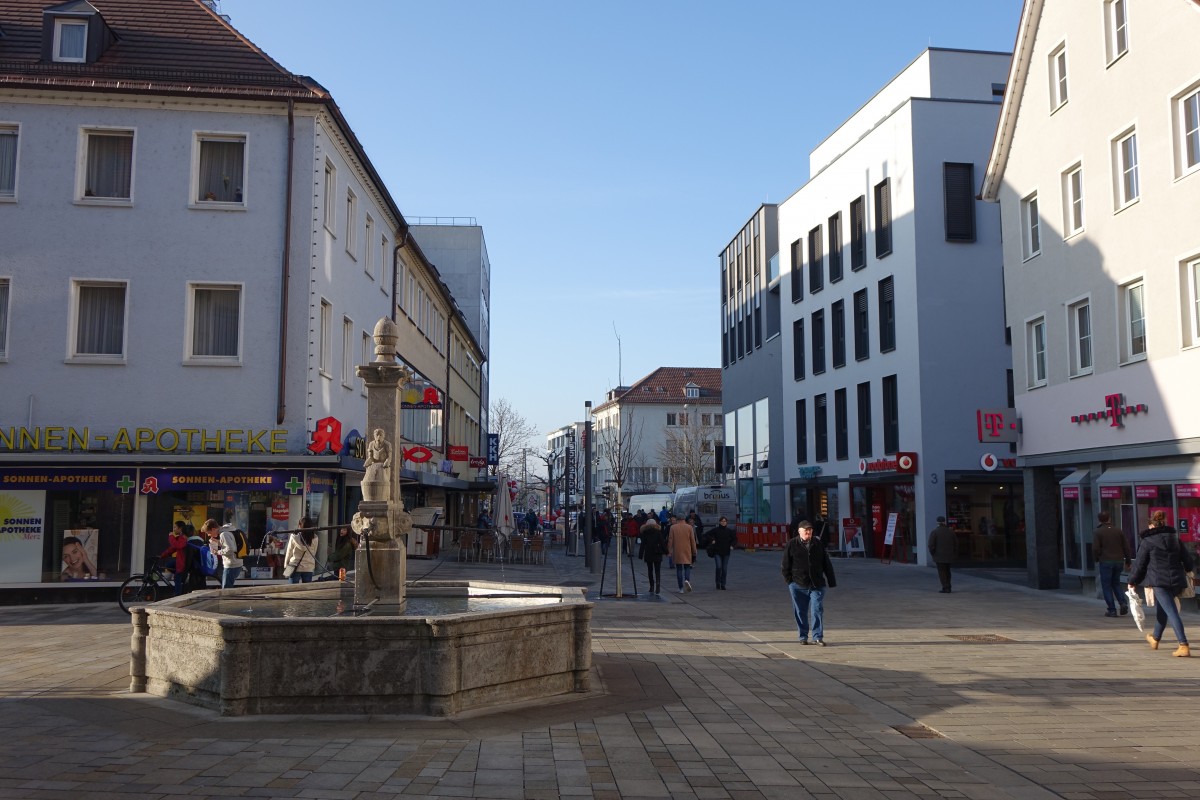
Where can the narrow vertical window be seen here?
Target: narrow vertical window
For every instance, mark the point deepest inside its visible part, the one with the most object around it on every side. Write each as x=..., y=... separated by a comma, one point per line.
x=837, y=321
x=821, y=427
x=958, y=194
x=841, y=426
x=366, y=355
x=70, y=41
x=352, y=223
x=325, y=344
x=1191, y=279
x=1058, y=77
x=883, y=218
x=864, y=420
x=330, y=193
x=887, y=315
x=369, y=247
x=798, y=350
x=858, y=233
x=1031, y=233
x=891, y=415
x=1116, y=29
x=1134, y=311
x=4, y=290
x=835, y=248
x=348, y=338
x=1188, y=112
x=1079, y=324
x=1073, y=219
x=8, y=162
x=862, y=344
x=818, y=342
x=801, y=432
x=1035, y=335
x=797, y=271
x=1125, y=169
x=816, y=261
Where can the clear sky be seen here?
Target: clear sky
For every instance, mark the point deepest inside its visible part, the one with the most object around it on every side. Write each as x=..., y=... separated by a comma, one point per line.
x=609, y=150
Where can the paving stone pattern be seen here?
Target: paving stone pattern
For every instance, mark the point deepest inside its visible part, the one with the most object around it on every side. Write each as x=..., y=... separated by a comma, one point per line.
x=703, y=695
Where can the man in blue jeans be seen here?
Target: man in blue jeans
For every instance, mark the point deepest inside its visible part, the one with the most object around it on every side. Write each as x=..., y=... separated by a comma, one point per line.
x=1111, y=551
x=808, y=570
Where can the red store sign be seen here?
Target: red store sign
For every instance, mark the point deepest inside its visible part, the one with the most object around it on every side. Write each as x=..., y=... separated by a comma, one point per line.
x=903, y=462
x=1070, y=493
x=1115, y=408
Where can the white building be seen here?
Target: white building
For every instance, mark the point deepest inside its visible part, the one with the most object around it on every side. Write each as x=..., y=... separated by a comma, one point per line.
x=1096, y=167
x=893, y=326
x=196, y=250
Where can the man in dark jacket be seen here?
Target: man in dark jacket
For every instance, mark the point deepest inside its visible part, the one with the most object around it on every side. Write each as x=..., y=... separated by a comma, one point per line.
x=1111, y=550
x=720, y=543
x=808, y=570
x=942, y=546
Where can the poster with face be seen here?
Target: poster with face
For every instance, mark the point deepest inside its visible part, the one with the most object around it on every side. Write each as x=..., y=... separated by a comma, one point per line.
x=79, y=548
x=192, y=517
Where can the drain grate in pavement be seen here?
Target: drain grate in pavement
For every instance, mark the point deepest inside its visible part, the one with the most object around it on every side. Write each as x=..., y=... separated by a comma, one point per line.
x=775, y=654
x=982, y=638
x=918, y=731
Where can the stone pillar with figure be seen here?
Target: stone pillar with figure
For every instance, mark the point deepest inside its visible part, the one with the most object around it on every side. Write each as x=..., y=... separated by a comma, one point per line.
x=380, y=563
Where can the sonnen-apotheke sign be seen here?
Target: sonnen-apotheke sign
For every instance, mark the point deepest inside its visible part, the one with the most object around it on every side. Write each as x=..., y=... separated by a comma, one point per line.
x=134, y=440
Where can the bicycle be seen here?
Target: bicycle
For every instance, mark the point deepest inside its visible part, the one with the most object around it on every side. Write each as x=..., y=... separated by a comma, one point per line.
x=145, y=587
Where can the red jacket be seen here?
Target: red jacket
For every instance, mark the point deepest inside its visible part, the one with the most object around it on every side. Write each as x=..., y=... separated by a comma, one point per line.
x=177, y=545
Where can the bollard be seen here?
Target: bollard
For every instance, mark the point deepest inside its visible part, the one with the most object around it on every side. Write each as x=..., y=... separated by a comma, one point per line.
x=597, y=558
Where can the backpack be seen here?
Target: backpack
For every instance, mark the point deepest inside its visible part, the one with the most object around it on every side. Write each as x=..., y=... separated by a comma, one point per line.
x=206, y=560
x=243, y=547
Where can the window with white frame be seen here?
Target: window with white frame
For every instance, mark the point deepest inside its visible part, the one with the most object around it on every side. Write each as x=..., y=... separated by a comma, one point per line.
x=366, y=356
x=1116, y=29
x=1058, y=77
x=220, y=168
x=5, y=283
x=106, y=169
x=670, y=418
x=215, y=328
x=1187, y=126
x=683, y=419
x=347, y=352
x=98, y=322
x=691, y=391
x=325, y=343
x=1035, y=351
x=1190, y=280
x=1079, y=328
x=9, y=136
x=385, y=261
x=352, y=223
x=369, y=247
x=70, y=41
x=1125, y=168
x=330, y=193
x=1133, y=320
x=1072, y=192
x=1031, y=227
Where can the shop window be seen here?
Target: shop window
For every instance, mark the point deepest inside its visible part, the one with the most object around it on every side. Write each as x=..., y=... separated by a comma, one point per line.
x=88, y=536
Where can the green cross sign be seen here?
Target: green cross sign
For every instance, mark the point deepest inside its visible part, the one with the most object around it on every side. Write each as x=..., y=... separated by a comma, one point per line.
x=125, y=484
x=294, y=485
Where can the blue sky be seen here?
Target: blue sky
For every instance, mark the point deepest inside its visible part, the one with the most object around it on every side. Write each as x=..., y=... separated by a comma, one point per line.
x=609, y=150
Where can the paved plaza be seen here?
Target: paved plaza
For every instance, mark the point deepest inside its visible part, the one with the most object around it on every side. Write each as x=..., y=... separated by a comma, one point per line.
x=994, y=691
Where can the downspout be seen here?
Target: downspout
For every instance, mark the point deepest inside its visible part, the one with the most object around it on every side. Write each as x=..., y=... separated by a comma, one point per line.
x=400, y=245
x=286, y=268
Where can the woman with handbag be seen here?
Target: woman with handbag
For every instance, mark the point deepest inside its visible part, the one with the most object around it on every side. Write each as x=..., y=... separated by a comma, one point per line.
x=300, y=558
x=1162, y=564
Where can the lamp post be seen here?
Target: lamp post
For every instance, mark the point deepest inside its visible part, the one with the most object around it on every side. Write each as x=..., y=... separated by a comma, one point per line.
x=587, y=481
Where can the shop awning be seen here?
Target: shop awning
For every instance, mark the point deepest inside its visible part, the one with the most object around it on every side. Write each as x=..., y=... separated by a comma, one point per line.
x=1176, y=472
x=1076, y=478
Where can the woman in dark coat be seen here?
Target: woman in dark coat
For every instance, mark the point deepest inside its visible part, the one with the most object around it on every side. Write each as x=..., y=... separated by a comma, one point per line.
x=652, y=549
x=1162, y=563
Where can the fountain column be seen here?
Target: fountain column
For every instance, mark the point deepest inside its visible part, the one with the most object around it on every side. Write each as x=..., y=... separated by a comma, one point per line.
x=380, y=563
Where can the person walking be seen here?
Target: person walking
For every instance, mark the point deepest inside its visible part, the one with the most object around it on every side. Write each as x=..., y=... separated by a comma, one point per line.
x=300, y=558
x=225, y=544
x=942, y=546
x=651, y=551
x=808, y=571
x=1111, y=549
x=721, y=541
x=1162, y=564
x=681, y=544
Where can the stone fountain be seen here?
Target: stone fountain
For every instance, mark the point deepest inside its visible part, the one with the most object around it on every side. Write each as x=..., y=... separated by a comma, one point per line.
x=312, y=648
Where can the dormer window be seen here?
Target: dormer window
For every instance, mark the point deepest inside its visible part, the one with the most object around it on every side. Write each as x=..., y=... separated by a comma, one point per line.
x=70, y=41
x=691, y=391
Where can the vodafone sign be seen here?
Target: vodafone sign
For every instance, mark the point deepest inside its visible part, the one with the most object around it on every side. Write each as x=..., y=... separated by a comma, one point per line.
x=905, y=463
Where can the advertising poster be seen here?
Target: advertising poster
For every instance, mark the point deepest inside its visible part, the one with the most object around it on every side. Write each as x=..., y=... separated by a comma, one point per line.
x=852, y=535
x=280, y=518
x=192, y=517
x=237, y=509
x=21, y=529
x=79, y=548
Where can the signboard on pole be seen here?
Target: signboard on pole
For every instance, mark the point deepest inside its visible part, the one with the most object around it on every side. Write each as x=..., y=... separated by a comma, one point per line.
x=493, y=449
x=890, y=535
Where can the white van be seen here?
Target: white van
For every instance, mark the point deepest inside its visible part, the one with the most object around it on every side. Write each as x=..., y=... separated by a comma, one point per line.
x=709, y=502
x=650, y=503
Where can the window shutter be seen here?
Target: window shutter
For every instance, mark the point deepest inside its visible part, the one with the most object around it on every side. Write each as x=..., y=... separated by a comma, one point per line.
x=797, y=270
x=858, y=234
x=958, y=184
x=883, y=218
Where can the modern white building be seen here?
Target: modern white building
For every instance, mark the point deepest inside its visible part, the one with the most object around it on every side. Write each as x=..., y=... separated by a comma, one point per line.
x=196, y=249
x=1096, y=168
x=751, y=376
x=893, y=319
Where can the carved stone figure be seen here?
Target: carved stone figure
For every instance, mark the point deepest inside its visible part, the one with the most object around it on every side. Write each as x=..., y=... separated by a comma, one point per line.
x=377, y=479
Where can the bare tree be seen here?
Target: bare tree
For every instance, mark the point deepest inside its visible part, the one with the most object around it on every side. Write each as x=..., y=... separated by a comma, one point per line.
x=618, y=447
x=515, y=434
x=687, y=454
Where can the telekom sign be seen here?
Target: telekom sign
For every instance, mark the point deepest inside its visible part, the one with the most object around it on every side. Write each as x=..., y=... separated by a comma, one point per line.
x=1115, y=408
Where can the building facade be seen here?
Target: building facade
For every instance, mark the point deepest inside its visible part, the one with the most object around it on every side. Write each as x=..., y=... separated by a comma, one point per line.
x=893, y=333
x=1096, y=169
x=196, y=252
x=752, y=382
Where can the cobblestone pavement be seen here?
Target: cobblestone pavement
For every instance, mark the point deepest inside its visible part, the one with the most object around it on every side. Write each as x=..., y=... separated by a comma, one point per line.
x=995, y=691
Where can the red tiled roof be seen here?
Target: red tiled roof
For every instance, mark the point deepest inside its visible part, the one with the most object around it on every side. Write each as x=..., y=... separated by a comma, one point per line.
x=163, y=46
x=666, y=386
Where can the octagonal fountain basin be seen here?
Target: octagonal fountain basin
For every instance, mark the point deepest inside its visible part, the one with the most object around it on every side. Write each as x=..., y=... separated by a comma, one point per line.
x=304, y=649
